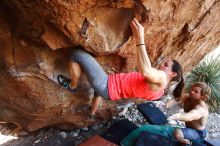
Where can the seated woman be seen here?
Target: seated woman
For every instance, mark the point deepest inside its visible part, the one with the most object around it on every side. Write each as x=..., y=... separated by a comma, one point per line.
x=149, y=83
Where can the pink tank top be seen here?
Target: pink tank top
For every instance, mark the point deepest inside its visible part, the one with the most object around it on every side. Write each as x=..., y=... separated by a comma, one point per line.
x=131, y=85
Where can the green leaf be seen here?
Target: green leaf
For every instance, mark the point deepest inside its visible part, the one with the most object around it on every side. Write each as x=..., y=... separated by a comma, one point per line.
x=207, y=71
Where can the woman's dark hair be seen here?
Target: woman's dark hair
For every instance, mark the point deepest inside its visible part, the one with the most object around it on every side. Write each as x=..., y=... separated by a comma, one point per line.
x=177, y=68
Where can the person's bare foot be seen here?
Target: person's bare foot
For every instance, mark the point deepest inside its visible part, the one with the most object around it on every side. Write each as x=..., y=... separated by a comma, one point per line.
x=96, y=104
x=184, y=141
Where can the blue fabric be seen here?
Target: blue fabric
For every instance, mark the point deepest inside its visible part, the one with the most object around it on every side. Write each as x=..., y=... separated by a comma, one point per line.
x=198, y=144
x=119, y=130
x=156, y=129
x=96, y=76
x=212, y=142
x=150, y=139
x=193, y=134
x=152, y=113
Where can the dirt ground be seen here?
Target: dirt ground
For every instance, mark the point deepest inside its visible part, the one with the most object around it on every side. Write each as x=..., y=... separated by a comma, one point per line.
x=58, y=137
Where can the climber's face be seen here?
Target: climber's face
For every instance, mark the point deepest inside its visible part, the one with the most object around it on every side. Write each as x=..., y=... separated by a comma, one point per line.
x=166, y=65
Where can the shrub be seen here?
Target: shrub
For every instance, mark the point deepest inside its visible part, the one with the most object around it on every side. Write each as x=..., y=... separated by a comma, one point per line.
x=207, y=71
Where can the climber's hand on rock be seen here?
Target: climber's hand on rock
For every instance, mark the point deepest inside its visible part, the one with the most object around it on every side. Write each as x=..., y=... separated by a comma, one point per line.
x=138, y=31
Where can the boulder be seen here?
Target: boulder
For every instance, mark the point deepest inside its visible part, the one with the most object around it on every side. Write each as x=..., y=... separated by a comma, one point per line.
x=36, y=38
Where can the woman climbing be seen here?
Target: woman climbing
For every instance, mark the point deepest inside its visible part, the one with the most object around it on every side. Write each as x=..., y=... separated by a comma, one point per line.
x=149, y=83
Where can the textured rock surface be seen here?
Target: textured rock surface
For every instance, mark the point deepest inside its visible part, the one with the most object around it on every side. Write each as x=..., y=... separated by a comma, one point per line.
x=57, y=137
x=31, y=30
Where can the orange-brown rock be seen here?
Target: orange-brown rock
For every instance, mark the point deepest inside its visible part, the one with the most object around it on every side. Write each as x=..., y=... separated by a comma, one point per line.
x=36, y=38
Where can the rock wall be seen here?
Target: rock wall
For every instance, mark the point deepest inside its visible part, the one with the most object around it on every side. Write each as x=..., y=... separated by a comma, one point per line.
x=36, y=38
